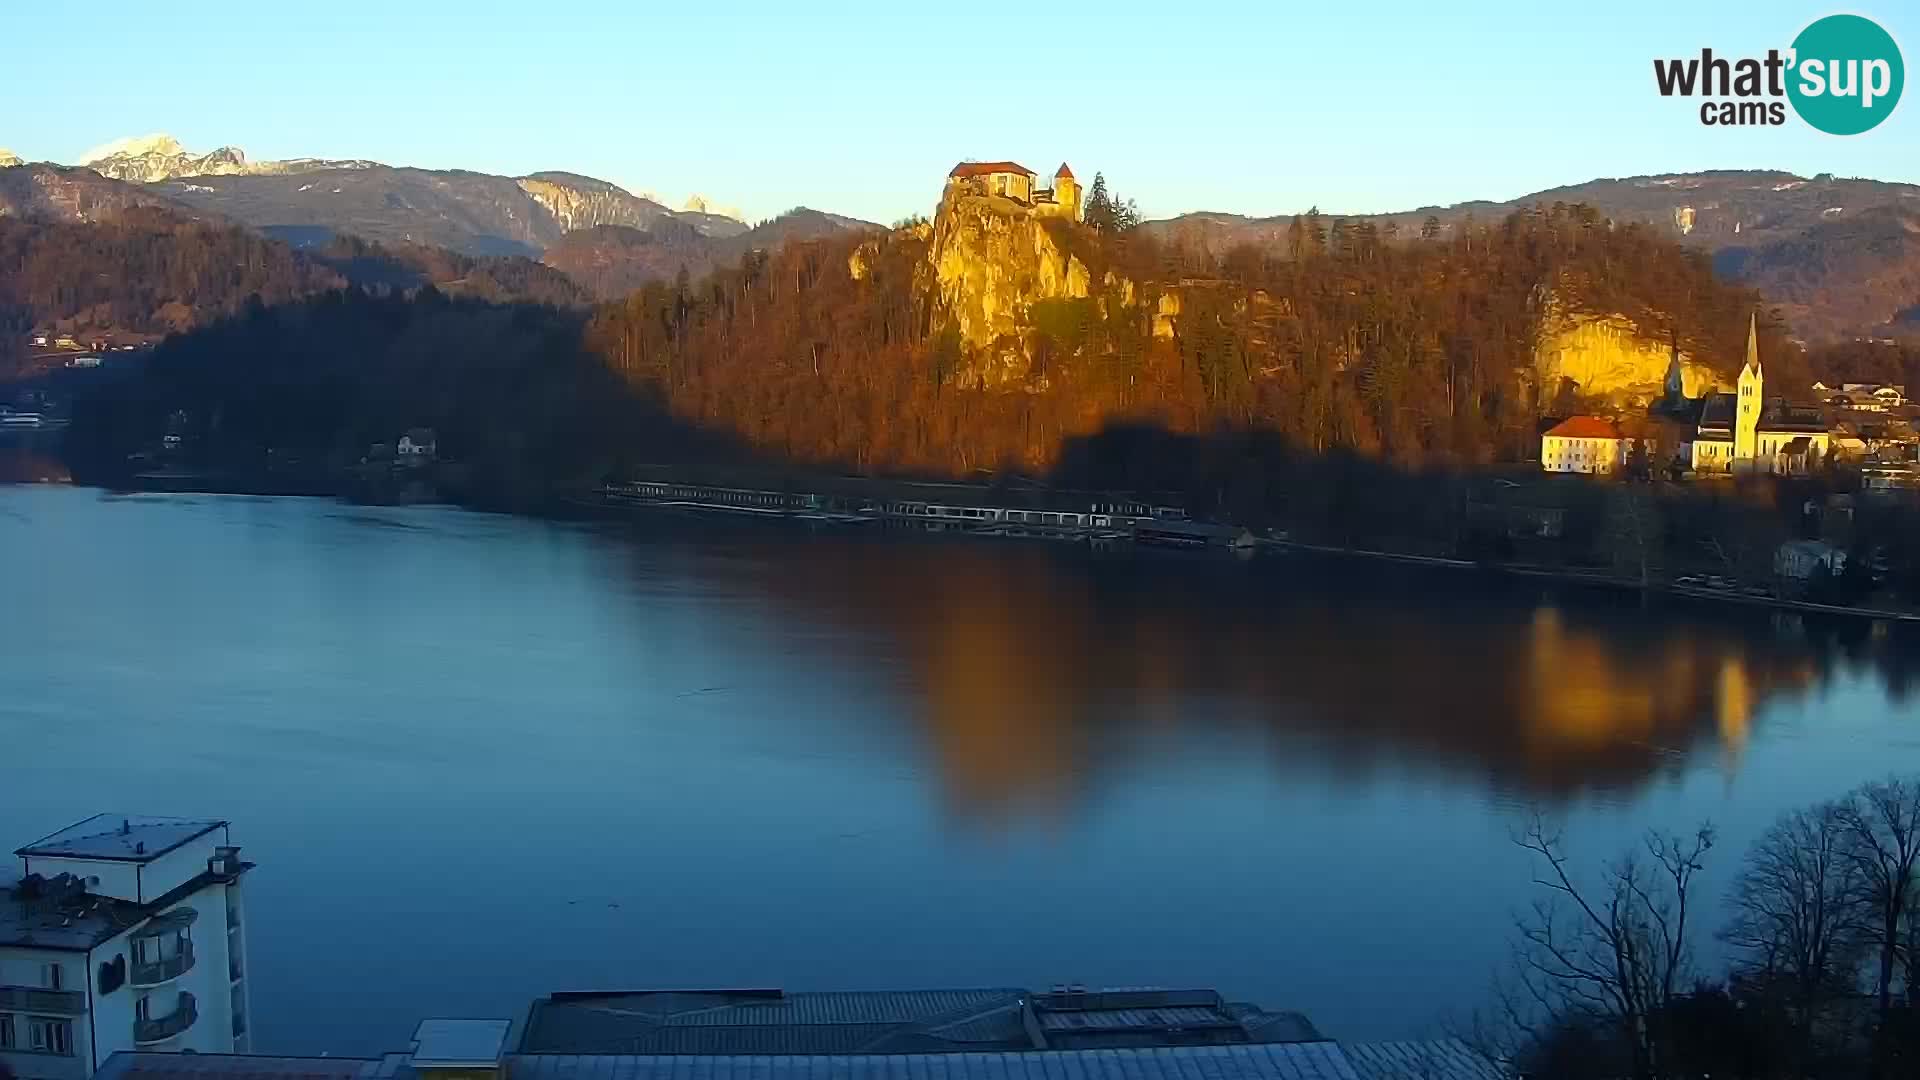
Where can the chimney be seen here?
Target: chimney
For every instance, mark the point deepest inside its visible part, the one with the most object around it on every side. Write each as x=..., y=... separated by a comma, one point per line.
x=139, y=847
x=225, y=862
x=126, y=827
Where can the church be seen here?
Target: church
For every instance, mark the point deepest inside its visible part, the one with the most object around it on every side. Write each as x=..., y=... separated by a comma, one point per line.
x=1742, y=433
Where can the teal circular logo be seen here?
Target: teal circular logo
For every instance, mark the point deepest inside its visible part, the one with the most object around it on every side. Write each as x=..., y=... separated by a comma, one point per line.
x=1846, y=75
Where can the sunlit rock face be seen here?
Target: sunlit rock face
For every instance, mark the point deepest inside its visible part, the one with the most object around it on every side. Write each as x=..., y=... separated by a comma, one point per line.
x=989, y=262
x=700, y=204
x=153, y=158
x=8, y=159
x=585, y=203
x=1608, y=356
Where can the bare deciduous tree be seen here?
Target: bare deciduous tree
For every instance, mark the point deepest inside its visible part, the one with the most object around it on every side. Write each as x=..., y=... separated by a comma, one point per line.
x=1797, y=909
x=1614, y=952
x=1882, y=822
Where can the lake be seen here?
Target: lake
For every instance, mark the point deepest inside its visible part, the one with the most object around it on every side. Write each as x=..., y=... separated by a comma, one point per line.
x=480, y=758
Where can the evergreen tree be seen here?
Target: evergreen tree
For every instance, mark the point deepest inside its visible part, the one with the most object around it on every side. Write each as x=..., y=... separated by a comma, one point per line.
x=1099, y=208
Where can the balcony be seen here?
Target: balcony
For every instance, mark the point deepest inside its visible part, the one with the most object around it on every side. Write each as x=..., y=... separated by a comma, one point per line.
x=32, y=999
x=165, y=969
x=166, y=1027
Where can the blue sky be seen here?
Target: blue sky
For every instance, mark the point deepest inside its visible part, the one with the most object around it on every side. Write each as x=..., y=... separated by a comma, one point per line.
x=861, y=108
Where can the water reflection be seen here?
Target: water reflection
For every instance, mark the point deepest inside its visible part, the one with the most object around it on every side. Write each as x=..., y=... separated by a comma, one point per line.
x=755, y=756
x=22, y=463
x=1038, y=669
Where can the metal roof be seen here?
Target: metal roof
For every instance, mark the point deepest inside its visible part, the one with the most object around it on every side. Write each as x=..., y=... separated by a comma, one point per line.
x=1135, y=1019
x=443, y=1043
x=120, y=838
x=1437, y=1059
x=769, y=1022
x=1264, y=1061
x=127, y=1065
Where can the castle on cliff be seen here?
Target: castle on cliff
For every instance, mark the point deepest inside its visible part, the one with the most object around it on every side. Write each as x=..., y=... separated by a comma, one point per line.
x=1011, y=180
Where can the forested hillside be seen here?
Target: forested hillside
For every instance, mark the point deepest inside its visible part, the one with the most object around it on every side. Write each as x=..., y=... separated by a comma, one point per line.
x=1176, y=370
x=1409, y=353
x=1839, y=254
x=150, y=271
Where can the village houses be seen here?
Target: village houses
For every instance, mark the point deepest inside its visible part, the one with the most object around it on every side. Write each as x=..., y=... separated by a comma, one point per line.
x=1720, y=434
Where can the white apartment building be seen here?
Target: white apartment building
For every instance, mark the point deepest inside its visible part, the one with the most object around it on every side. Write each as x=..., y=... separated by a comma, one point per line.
x=122, y=933
x=1584, y=444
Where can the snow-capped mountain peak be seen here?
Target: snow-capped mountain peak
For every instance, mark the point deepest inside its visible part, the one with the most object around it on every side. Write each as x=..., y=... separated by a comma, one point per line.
x=135, y=146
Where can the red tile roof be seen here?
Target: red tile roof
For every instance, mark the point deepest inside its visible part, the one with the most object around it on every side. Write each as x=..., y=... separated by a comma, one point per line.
x=1585, y=427
x=988, y=168
x=1064, y=171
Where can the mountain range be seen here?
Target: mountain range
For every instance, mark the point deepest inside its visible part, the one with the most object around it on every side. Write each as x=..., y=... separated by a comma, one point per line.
x=1839, y=256
x=613, y=237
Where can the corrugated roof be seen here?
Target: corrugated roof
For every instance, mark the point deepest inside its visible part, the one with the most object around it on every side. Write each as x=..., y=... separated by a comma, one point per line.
x=1437, y=1059
x=1135, y=1019
x=1265, y=1061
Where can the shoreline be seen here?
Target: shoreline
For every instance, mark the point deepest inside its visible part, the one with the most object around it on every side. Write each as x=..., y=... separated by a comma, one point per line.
x=597, y=503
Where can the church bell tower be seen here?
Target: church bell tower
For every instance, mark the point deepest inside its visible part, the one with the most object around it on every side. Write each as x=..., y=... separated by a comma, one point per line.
x=1746, y=423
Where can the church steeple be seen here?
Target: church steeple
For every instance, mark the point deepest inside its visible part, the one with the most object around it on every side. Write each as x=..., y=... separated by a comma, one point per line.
x=1752, y=388
x=1676, y=388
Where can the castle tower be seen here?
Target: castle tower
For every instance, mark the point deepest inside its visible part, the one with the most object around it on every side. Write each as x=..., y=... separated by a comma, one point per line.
x=1746, y=421
x=1066, y=191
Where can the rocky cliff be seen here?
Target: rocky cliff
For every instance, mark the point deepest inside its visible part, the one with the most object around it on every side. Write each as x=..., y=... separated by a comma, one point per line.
x=153, y=158
x=581, y=202
x=1609, y=356
x=8, y=159
x=990, y=261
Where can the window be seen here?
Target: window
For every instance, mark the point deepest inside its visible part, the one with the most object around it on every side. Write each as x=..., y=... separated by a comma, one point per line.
x=51, y=977
x=6, y=1032
x=49, y=1036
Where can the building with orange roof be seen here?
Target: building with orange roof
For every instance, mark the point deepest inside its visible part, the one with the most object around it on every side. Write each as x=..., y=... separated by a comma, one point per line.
x=1584, y=444
x=1014, y=181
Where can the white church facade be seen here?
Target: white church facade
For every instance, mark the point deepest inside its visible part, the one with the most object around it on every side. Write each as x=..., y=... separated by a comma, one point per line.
x=1742, y=433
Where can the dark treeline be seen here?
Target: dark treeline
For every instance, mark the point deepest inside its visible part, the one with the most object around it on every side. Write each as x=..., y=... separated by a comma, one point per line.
x=499, y=278
x=1409, y=351
x=1820, y=935
x=148, y=271
x=312, y=385
x=1896, y=362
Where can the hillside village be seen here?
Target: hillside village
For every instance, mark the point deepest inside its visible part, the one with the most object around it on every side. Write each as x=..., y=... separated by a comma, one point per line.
x=1868, y=427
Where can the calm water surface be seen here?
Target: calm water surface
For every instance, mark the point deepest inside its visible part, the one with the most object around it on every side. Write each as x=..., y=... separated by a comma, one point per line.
x=480, y=758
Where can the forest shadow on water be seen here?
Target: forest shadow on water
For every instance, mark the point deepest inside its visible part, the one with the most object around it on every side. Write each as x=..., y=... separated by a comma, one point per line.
x=1042, y=667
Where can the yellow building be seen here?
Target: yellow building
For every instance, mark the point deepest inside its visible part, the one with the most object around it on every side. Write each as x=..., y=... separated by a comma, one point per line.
x=1742, y=433
x=1012, y=180
x=1583, y=444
